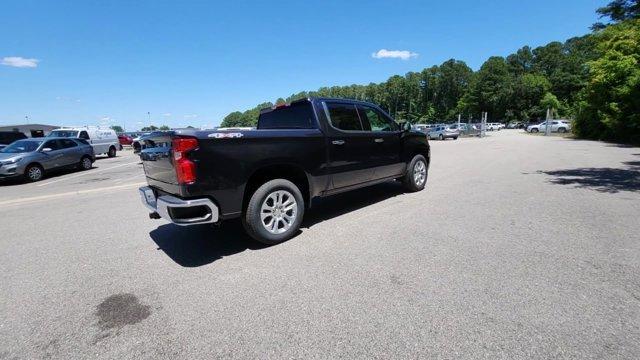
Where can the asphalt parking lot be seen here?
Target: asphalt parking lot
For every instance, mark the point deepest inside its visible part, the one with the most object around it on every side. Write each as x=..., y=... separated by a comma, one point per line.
x=520, y=247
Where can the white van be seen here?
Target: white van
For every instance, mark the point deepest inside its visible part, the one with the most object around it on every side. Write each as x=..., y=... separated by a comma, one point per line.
x=103, y=140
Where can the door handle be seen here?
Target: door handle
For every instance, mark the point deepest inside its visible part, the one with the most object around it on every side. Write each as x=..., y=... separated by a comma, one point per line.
x=338, y=142
x=379, y=140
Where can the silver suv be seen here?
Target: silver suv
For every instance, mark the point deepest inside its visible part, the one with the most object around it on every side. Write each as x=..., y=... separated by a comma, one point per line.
x=31, y=158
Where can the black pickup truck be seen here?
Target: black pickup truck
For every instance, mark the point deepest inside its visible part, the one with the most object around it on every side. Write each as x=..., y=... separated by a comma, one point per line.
x=269, y=175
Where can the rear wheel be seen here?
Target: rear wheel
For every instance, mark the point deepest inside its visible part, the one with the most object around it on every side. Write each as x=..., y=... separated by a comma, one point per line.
x=274, y=212
x=441, y=137
x=112, y=152
x=562, y=130
x=85, y=163
x=415, y=177
x=34, y=173
x=534, y=130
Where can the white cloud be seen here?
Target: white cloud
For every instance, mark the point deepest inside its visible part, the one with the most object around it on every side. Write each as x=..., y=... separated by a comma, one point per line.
x=394, y=54
x=19, y=62
x=166, y=114
x=191, y=116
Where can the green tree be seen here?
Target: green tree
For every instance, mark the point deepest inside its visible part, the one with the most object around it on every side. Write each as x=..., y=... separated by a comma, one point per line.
x=528, y=91
x=164, y=128
x=117, y=128
x=149, y=128
x=617, y=11
x=610, y=104
x=492, y=88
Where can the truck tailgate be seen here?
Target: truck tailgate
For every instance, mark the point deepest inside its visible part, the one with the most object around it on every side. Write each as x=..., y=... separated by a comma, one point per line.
x=156, y=158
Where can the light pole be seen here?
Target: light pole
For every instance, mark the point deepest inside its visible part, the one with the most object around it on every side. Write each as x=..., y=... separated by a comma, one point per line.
x=26, y=117
x=547, y=125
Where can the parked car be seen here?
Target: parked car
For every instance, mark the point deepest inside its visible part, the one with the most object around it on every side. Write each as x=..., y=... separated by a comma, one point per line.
x=422, y=127
x=442, y=133
x=515, y=125
x=125, y=139
x=494, y=126
x=561, y=126
x=268, y=176
x=103, y=140
x=32, y=158
x=463, y=128
x=7, y=137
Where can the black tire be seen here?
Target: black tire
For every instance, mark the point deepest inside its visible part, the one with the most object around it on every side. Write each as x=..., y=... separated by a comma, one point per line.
x=85, y=163
x=455, y=138
x=409, y=180
x=112, y=152
x=252, y=219
x=534, y=130
x=33, y=173
x=428, y=137
x=441, y=137
x=562, y=130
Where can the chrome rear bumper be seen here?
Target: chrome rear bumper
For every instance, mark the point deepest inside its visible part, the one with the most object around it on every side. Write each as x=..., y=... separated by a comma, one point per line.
x=179, y=211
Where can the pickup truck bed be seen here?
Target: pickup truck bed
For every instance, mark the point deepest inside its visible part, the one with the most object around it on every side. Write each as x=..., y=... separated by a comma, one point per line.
x=319, y=146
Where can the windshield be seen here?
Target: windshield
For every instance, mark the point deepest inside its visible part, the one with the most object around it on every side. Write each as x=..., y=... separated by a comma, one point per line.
x=22, y=146
x=63, y=133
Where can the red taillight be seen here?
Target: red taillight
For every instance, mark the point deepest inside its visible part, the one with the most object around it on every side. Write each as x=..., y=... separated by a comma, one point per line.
x=185, y=168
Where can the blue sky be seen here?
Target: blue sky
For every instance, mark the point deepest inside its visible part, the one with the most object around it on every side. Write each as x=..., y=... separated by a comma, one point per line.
x=192, y=62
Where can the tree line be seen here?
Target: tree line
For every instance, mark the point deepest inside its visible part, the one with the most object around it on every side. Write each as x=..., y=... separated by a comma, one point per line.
x=593, y=79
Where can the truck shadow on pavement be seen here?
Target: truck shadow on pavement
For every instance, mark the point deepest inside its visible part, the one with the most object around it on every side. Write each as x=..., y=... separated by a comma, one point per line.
x=608, y=180
x=194, y=246
x=333, y=206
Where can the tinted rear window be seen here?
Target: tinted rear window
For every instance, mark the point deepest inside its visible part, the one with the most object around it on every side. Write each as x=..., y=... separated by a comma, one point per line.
x=294, y=116
x=344, y=117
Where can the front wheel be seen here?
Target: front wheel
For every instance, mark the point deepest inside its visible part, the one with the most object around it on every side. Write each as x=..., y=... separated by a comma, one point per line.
x=562, y=130
x=112, y=152
x=534, y=130
x=441, y=137
x=415, y=177
x=33, y=173
x=274, y=212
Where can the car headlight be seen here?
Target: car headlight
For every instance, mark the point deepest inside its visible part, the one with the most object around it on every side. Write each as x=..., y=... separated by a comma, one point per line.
x=11, y=161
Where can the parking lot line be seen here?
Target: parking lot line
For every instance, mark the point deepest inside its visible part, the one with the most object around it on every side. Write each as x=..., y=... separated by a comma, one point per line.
x=86, y=173
x=78, y=192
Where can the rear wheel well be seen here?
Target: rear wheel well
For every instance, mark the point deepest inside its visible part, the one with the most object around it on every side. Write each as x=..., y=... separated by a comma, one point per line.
x=290, y=172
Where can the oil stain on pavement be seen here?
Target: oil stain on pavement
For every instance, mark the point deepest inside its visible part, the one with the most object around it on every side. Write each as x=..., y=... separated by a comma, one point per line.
x=120, y=310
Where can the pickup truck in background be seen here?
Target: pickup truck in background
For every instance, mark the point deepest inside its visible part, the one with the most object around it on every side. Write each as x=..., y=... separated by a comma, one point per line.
x=269, y=175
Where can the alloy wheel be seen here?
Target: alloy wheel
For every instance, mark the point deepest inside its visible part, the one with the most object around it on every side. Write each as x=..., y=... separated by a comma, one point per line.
x=278, y=211
x=419, y=172
x=34, y=173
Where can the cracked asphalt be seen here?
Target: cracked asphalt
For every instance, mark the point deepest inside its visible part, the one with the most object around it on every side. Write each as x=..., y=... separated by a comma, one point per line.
x=521, y=247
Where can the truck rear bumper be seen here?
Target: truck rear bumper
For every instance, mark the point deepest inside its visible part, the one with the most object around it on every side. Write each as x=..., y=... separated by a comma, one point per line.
x=179, y=211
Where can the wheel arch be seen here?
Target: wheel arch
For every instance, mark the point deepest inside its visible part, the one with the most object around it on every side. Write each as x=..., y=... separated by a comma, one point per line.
x=291, y=172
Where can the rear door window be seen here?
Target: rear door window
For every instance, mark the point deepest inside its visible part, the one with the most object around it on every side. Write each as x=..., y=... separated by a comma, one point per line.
x=84, y=135
x=52, y=144
x=344, y=117
x=294, y=116
x=67, y=143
